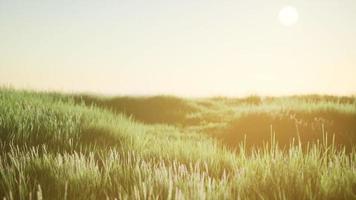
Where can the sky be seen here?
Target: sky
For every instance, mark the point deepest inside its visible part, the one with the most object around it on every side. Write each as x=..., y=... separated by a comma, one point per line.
x=183, y=48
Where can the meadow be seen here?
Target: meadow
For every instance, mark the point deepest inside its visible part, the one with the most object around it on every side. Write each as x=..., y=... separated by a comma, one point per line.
x=80, y=146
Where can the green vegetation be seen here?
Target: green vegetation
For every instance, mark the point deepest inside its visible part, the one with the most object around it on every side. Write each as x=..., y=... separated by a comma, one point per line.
x=56, y=146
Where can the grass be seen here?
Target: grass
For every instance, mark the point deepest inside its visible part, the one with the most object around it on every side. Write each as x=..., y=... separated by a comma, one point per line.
x=57, y=146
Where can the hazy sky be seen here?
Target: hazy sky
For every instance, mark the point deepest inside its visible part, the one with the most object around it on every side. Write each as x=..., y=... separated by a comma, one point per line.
x=180, y=47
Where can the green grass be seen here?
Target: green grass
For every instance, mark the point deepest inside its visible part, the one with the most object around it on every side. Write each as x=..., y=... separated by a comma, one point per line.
x=57, y=146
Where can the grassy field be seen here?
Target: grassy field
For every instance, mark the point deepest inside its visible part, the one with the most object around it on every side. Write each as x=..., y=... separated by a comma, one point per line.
x=61, y=146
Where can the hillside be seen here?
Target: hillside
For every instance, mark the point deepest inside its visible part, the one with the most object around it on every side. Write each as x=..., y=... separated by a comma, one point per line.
x=61, y=146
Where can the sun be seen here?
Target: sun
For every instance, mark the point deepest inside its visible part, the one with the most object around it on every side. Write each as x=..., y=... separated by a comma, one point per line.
x=288, y=16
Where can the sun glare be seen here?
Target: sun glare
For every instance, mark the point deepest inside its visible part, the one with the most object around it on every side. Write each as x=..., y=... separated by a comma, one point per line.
x=288, y=16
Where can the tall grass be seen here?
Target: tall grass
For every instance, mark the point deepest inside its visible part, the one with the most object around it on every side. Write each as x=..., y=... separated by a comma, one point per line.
x=54, y=147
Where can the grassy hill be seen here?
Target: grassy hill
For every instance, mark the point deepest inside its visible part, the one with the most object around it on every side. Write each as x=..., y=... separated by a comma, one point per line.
x=58, y=146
